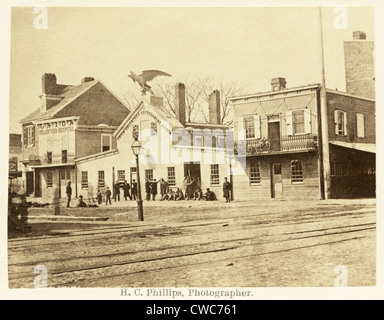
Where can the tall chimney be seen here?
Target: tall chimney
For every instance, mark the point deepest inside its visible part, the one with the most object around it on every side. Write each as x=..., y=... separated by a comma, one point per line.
x=214, y=107
x=359, y=35
x=49, y=83
x=278, y=84
x=180, y=102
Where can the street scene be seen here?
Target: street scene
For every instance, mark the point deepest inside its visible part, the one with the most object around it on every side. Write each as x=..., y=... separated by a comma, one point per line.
x=201, y=245
x=217, y=147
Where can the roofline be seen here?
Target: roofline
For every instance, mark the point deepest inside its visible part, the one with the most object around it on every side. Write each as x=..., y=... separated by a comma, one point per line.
x=268, y=93
x=116, y=96
x=96, y=156
x=62, y=107
x=120, y=129
x=342, y=93
x=188, y=124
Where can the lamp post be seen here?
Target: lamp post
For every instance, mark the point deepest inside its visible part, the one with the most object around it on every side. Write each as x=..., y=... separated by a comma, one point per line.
x=136, y=146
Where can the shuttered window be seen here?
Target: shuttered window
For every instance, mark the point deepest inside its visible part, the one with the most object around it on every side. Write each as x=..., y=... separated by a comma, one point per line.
x=84, y=179
x=297, y=173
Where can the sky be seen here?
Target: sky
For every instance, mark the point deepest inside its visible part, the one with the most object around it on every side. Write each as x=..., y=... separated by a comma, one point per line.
x=249, y=46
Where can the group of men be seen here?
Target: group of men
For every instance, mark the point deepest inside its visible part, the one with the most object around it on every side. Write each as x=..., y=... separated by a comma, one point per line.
x=191, y=187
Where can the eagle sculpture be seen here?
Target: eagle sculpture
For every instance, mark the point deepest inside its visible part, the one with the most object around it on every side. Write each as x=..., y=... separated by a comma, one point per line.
x=146, y=76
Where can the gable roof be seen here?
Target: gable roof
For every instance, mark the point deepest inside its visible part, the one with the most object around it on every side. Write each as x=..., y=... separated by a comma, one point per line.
x=68, y=94
x=156, y=111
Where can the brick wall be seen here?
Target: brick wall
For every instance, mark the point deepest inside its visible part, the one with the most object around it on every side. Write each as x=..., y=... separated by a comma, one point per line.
x=96, y=106
x=351, y=106
x=359, y=68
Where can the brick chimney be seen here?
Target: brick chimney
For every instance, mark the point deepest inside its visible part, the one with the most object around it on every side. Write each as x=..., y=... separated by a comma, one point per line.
x=87, y=79
x=49, y=83
x=359, y=35
x=214, y=107
x=180, y=102
x=278, y=84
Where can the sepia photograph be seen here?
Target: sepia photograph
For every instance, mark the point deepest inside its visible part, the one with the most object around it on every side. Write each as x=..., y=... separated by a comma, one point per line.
x=191, y=152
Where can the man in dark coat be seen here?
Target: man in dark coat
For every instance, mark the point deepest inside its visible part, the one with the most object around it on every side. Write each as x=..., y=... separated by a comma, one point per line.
x=148, y=189
x=227, y=188
x=164, y=187
x=126, y=188
x=68, y=191
x=116, y=191
x=134, y=189
x=154, y=189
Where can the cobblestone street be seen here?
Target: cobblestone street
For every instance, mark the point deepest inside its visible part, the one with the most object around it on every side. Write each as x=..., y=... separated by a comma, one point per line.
x=200, y=244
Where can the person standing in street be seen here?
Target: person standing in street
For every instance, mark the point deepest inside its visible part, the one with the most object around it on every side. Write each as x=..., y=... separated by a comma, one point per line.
x=148, y=189
x=134, y=189
x=227, y=190
x=108, y=194
x=164, y=187
x=116, y=189
x=154, y=189
x=68, y=191
x=126, y=188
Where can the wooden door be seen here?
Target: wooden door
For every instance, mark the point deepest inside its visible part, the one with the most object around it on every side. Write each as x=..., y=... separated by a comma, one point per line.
x=276, y=181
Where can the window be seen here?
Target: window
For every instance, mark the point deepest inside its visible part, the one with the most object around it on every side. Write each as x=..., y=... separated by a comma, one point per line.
x=149, y=174
x=198, y=141
x=297, y=174
x=254, y=174
x=49, y=179
x=298, y=122
x=69, y=175
x=171, y=176
x=249, y=126
x=84, y=179
x=153, y=129
x=340, y=123
x=215, y=177
x=62, y=175
x=121, y=175
x=105, y=142
x=101, y=179
x=29, y=136
x=360, y=122
x=49, y=157
x=64, y=156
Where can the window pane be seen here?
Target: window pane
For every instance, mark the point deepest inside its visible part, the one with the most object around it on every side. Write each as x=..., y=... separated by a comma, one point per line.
x=101, y=179
x=215, y=177
x=255, y=177
x=149, y=174
x=249, y=126
x=298, y=122
x=171, y=176
x=297, y=171
x=49, y=179
x=84, y=179
x=121, y=174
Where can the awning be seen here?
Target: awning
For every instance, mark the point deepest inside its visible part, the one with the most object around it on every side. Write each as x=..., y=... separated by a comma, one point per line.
x=54, y=165
x=366, y=147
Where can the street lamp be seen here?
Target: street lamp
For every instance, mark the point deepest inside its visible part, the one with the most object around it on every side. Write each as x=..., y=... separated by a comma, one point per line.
x=136, y=146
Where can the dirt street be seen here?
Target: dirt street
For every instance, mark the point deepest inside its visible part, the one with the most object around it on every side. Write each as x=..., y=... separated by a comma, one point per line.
x=200, y=244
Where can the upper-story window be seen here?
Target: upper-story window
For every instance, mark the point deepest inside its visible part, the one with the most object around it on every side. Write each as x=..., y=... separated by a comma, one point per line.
x=153, y=129
x=106, y=142
x=340, y=123
x=251, y=124
x=29, y=136
x=49, y=157
x=64, y=156
x=360, y=123
x=299, y=122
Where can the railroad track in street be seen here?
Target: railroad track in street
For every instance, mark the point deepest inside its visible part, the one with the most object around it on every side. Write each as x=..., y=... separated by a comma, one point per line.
x=83, y=258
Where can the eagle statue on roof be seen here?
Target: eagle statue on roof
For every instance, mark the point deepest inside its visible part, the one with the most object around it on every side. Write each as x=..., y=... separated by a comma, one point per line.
x=146, y=76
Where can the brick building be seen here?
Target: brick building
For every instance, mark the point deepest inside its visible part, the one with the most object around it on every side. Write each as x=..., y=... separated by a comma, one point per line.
x=283, y=151
x=72, y=121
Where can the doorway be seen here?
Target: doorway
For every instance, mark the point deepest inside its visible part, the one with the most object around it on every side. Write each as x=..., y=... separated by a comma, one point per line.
x=30, y=182
x=274, y=135
x=65, y=177
x=276, y=181
x=192, y=171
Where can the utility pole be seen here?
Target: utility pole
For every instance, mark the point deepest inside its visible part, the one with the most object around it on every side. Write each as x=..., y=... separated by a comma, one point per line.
x=324, y=118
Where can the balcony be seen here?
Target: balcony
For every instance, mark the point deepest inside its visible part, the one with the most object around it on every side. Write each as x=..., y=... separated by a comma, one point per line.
x=284, y=144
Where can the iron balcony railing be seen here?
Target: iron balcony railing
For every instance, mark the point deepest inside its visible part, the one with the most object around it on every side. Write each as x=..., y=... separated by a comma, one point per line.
x=282, y=144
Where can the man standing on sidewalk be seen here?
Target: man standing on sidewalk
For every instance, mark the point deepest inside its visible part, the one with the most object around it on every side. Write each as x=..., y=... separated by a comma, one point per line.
x=134, y=189
x=227, y=188
x=69, y=193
